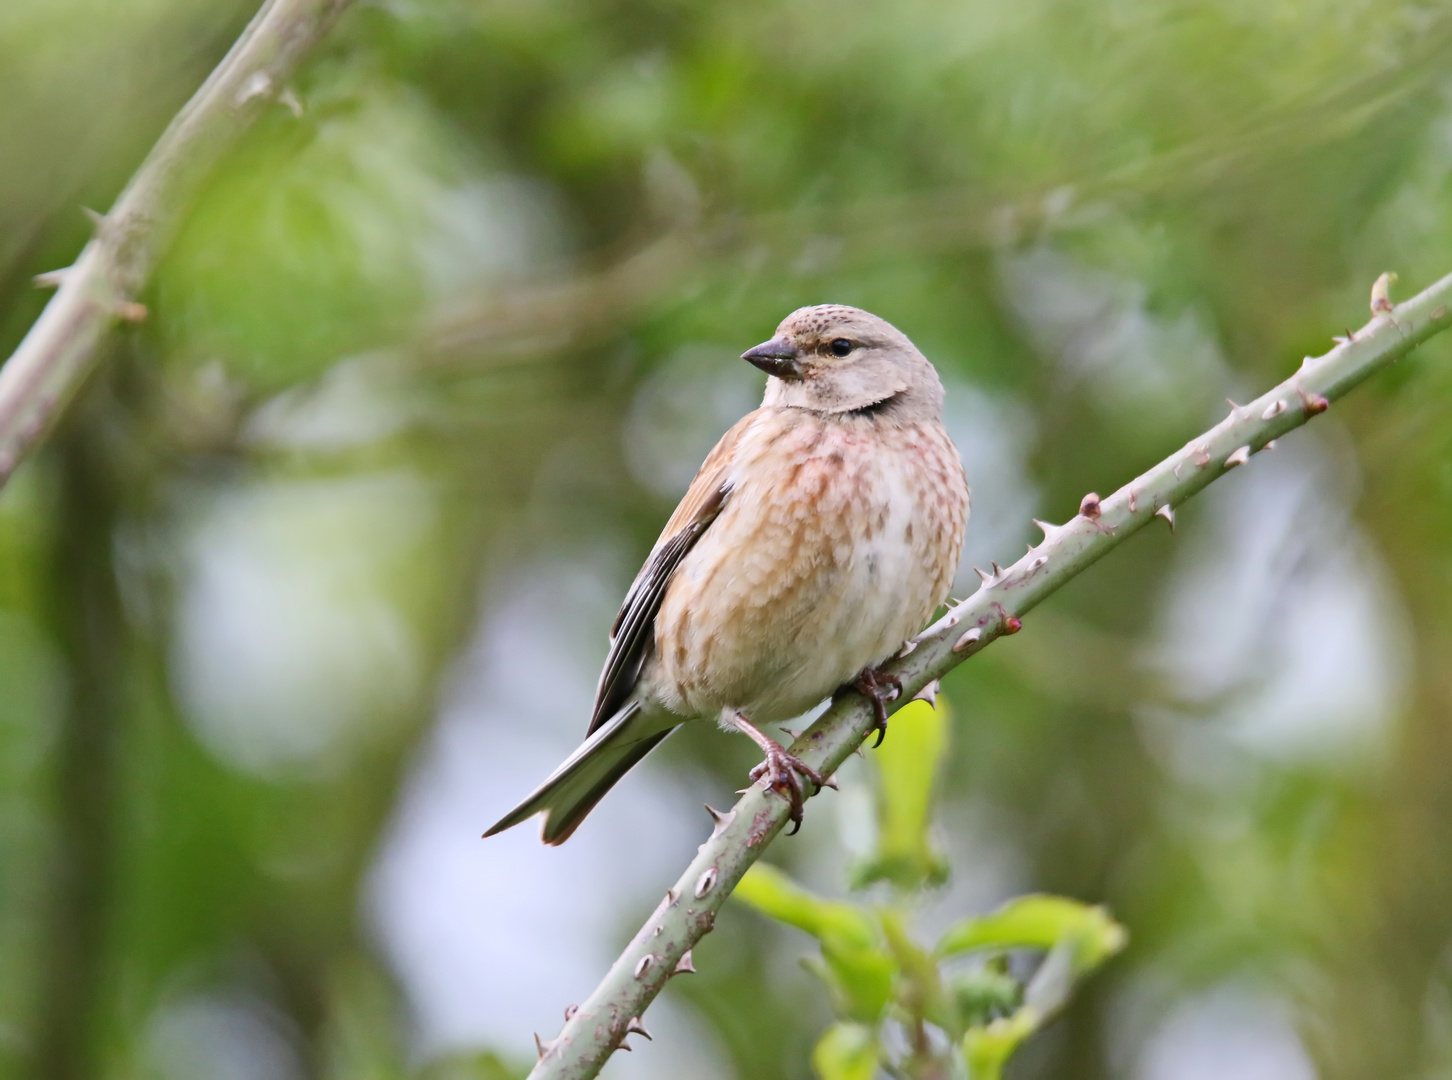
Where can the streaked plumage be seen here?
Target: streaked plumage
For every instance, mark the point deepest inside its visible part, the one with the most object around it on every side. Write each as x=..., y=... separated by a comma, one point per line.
x=818, y=536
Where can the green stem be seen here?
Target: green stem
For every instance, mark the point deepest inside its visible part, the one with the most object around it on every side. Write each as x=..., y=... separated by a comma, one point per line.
x=90, y=625
x=63, y=346
x=688, y=911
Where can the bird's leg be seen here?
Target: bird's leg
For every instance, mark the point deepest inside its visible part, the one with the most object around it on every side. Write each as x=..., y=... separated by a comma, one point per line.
x=878, y=687
x=784, y=770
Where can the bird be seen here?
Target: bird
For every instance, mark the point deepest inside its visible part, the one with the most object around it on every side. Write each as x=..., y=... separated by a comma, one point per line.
x=819, y=535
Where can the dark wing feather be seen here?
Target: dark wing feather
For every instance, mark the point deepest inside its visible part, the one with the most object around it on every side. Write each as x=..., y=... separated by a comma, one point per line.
x=633, y=634
x=634, y=629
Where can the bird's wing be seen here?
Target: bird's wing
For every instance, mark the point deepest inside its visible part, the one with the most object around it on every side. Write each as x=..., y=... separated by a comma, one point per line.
x=633, y=633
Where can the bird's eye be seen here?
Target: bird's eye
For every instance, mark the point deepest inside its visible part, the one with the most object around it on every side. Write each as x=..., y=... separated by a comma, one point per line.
x=841, y=346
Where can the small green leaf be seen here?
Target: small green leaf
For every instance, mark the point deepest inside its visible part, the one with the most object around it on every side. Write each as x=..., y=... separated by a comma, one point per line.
x=1039, y=922
x=773, y=893
x=906, y=765
x=865, y=978
x=983, y=995
x=858, y=971
x=859, y=983
x=988, y=1048
x=846, y=1052
x=1077, y=938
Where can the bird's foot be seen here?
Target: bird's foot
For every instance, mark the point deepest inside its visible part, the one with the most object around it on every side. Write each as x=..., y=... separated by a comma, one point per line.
x=784, y=772
x=878, y=687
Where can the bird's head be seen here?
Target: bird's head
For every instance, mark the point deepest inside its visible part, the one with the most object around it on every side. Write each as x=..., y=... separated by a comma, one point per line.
x=833, y=358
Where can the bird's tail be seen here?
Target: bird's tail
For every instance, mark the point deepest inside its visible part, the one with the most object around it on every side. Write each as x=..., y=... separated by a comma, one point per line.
x=573, y=789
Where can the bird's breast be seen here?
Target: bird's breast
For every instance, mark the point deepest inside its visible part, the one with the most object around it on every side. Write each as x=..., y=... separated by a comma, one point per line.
x=839, y=538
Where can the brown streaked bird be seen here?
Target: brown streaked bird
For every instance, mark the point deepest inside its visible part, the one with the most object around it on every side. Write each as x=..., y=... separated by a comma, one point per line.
x=820, y=534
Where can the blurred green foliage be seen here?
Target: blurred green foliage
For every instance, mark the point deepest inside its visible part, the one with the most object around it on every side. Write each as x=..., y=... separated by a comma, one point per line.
x=457, y=326
x=906, y=773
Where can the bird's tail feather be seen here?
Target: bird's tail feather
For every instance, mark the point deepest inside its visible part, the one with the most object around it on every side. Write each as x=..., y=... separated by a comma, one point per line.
x=573, y=789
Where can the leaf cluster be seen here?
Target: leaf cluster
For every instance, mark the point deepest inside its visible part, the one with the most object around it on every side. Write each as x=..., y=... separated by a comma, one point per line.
x=917, y=1011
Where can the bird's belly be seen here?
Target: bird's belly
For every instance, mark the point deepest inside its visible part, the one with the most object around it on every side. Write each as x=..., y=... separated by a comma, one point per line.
x=786, y=598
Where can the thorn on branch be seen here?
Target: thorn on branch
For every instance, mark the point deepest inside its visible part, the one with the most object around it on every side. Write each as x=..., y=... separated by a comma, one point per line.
x=928, y=693
x=1089, y=506
x=987, y=579
x=635, y=1027
x=257, y=84
x=975, y=634
x=570, y=1011
x=129, y=311
x=1133, y=499
x=1274, y=409
x=1239, y=457
x=95, y=217
x=719, y=824
x=907, y=648
x=706, y=882
x=1168, y=514
x=290, y=100
x=51, y=279
x=685, y=966
x=644, y=965
x=542, y=1047
x=1381, y=303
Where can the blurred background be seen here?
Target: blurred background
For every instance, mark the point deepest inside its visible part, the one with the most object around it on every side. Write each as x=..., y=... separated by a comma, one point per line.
x=315, y=581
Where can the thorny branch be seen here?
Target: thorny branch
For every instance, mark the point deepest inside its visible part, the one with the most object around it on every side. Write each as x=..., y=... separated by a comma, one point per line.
x=662, y=948
x=100, y=288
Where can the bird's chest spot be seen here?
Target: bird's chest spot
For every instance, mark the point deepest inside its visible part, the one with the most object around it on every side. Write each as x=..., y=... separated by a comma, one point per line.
x=854, y=543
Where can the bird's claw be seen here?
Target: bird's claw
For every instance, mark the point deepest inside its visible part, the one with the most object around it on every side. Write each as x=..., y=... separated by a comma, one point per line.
x=785, y=771
x=879, y=687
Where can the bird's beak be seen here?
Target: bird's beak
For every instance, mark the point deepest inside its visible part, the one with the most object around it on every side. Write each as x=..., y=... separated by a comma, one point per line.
x=777, y=357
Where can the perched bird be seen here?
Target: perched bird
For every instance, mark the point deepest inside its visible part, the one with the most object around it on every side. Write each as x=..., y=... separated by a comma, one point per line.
x=819, y=535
